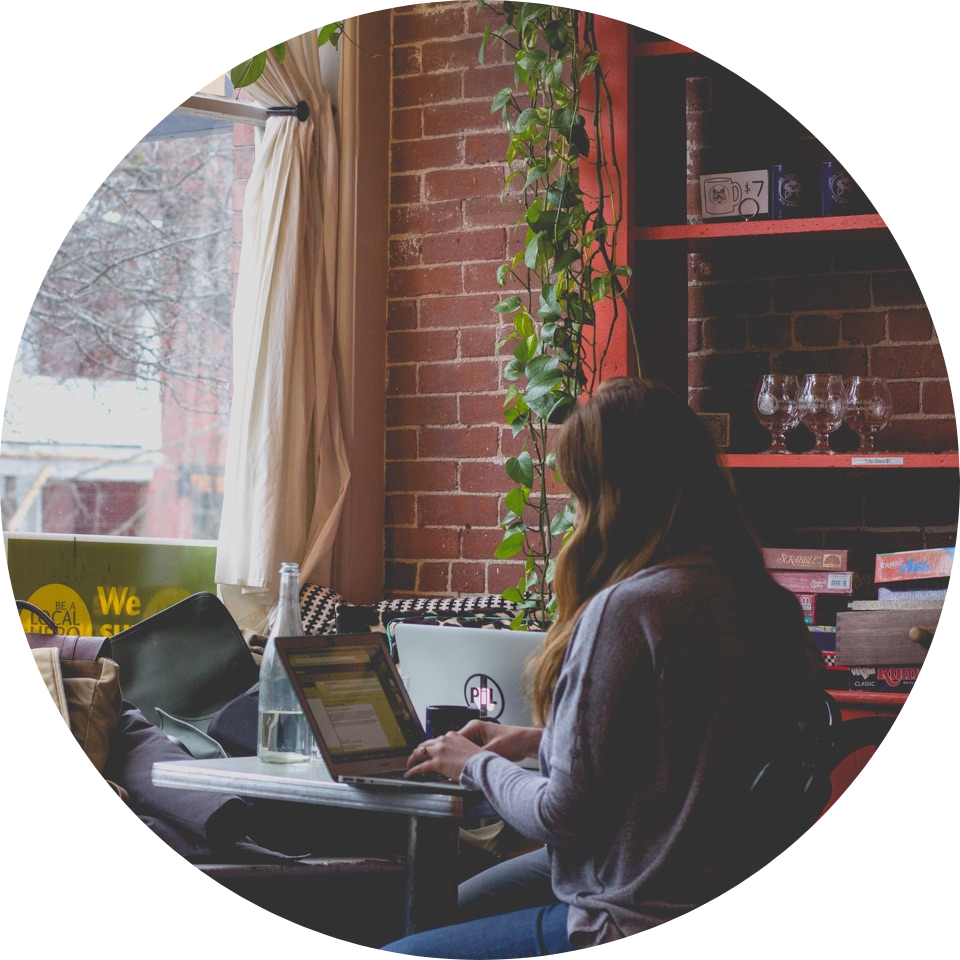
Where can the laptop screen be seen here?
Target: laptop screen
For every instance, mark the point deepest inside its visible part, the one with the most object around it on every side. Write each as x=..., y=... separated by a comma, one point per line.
x=355, y=699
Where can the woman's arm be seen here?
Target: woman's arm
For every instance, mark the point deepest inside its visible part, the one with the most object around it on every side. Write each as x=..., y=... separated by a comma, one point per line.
x=448, y=754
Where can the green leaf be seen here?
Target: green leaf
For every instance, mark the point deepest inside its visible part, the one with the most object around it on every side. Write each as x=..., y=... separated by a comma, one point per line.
x=509, y=305
x=590, y=63
x=327, y=33
x=512, y=595
x=538, y=386
x=565, y=258
x=523, y=325
x=280, y=52
x=579, y=138
x=520, y=469
x=533, y=251
x=541, y=365
x=483, y=43
x=526, y=120
x=501, y=99
x=510, y=546
x=563, y=521
x=549, y=307
x=516, y=500
x=531, y=59
x=514, y=369
x=249, y=71
x=556, y=33
x=533, y=175
x=542, y=404
x=561, y=410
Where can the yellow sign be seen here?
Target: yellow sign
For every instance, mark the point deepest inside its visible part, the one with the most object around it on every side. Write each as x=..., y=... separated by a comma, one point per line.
x=99, y=588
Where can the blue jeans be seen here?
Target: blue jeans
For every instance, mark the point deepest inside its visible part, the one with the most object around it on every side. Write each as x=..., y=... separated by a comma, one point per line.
x=507, y=911
x=534, y=932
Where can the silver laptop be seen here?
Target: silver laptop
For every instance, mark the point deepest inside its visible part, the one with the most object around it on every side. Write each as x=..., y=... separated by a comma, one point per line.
x=476, y=666
x=358, y=709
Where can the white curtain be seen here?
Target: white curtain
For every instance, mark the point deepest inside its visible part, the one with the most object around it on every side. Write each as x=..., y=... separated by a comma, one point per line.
x=286, y=468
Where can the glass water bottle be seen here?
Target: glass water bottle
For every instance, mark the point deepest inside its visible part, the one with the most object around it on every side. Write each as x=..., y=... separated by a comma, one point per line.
x=285, y=735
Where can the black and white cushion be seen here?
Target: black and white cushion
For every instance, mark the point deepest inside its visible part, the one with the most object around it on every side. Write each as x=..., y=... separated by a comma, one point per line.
x=323, y=610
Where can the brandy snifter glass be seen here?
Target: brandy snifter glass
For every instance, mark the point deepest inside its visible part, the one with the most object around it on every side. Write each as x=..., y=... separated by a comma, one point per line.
x=823, y=405
x=869, y=407
x=775, y=405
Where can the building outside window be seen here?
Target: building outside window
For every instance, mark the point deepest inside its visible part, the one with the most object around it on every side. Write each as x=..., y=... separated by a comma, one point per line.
x=116, y=419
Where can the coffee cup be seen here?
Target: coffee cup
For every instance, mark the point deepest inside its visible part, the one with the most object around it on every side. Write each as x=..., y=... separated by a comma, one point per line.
x=442, y=718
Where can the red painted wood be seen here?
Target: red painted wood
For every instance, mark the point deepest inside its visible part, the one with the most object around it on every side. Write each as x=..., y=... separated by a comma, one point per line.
x=801, y=461
x=613, y=41
x=757, y=228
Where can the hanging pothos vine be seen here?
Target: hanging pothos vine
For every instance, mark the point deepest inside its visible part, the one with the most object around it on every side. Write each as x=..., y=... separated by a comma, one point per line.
x=558, y=116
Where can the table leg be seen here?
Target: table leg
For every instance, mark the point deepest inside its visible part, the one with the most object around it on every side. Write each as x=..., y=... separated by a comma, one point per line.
x=430, y=873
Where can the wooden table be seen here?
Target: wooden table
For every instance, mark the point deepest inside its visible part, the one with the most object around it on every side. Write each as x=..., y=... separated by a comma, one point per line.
x=433, y=819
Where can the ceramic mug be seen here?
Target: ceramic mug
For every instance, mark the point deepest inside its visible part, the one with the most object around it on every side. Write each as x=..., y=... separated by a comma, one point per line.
x=442, y=718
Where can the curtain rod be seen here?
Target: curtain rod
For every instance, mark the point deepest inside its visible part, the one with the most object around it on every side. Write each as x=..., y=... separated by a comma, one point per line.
x=240, y=111
x=301, y=111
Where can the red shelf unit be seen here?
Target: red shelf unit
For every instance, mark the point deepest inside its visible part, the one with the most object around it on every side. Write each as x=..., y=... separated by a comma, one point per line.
x=758, y=228
x=877, y=461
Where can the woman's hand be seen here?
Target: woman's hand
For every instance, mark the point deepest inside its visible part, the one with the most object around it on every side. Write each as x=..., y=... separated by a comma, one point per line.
x=445, y=755
x=514, y=743
x=448, y=754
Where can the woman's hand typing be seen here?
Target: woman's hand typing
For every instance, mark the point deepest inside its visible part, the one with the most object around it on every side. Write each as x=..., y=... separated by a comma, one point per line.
x=514, y=743
x=447, y=755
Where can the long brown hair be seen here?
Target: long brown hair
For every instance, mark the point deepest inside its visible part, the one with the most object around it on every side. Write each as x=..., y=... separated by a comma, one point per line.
x=645, y=476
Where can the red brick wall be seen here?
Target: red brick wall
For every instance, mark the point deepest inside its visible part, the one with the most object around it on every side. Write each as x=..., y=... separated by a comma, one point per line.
x=849, y=306
x=449, y=231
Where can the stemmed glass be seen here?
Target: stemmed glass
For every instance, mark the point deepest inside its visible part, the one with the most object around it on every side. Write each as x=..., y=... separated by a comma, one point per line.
x=868, y=409
x=823, y=404
x=775, y=407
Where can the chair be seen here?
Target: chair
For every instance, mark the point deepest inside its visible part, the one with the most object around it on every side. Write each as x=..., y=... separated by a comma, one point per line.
x=856, y=742
x=793, y=790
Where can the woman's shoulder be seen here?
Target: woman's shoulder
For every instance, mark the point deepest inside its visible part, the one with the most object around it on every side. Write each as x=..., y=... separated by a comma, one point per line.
x=674, y=575
x=663, y=584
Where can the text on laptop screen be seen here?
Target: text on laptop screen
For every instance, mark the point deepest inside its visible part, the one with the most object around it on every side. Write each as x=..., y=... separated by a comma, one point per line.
x=356, y=702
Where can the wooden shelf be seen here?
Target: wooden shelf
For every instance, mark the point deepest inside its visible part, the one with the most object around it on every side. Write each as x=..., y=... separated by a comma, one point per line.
x=660, y=48
x=758, y=228
x=867, y=699
x=879, y=461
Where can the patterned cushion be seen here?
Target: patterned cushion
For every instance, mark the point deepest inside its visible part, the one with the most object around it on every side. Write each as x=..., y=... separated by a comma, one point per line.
x=351, y=619
x=323, y=610
x=318, y=609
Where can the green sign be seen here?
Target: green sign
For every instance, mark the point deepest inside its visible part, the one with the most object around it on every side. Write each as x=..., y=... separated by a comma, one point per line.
x=94, y=587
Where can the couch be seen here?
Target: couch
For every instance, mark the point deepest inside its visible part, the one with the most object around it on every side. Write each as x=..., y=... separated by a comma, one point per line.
x=324, y=611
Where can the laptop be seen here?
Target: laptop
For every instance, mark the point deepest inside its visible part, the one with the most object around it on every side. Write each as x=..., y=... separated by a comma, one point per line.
x=357, y=707
x=476, y=666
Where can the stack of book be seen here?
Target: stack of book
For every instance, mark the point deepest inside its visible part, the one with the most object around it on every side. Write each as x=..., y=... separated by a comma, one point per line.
x=883, y=642
x=814, y=576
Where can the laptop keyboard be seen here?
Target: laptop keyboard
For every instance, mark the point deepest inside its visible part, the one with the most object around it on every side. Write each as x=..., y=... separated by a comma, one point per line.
x=429, y=777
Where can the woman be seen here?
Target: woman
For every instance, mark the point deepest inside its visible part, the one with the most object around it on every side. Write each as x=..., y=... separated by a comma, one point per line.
x=674, y=668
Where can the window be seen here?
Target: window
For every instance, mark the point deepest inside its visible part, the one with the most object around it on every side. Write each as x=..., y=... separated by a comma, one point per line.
x=117, y=414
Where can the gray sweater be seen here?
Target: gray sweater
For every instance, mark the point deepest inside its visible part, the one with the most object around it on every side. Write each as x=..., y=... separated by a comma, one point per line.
x=648, y=755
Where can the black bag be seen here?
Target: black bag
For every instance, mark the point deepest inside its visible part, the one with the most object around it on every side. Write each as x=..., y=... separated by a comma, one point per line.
x=236, y=726
x=182, y=665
